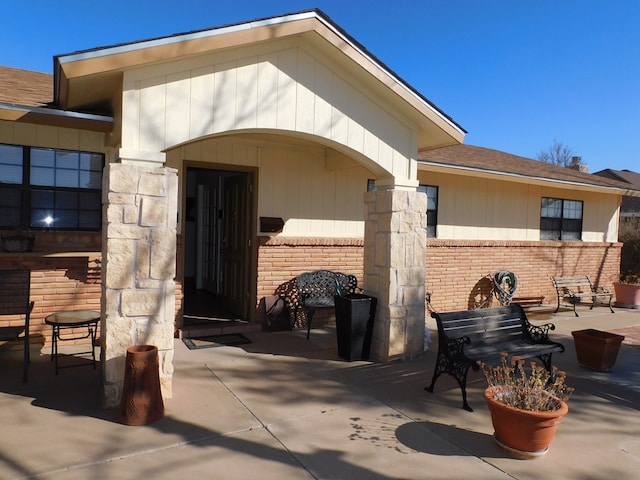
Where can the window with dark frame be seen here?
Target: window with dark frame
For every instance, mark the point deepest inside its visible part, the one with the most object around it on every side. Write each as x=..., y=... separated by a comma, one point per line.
x=561, y=219
x=432, y=205
x=43, y=188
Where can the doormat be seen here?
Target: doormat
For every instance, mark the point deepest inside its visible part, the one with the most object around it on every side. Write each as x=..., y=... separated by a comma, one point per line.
x=213, y=341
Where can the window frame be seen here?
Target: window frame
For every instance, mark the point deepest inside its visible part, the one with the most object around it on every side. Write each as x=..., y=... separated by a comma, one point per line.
x=83, y=206
x=432, y=226
x=566, y=228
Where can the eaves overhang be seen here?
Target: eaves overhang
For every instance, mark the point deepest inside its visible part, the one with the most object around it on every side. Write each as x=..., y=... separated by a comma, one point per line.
x=523, y=178
x=55, y=117
x=103, y=67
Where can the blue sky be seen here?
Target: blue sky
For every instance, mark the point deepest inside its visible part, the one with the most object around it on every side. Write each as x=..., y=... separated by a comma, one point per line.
x=515, y=74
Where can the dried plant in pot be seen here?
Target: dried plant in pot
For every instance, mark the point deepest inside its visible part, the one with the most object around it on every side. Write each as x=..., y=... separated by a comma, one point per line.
x=526, y=405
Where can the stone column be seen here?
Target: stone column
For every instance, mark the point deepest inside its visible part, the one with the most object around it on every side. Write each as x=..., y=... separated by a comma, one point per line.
x=394, y=271
x=138, y=271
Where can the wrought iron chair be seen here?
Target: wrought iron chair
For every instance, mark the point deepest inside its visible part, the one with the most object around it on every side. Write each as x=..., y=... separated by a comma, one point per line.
x=15, y=286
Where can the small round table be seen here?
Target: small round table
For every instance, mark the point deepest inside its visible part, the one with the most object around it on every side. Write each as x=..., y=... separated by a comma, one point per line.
x=68, y=320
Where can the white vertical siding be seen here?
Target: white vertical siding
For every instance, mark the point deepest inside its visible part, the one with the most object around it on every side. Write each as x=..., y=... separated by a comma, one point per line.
x=285, y=88
x=46, y=136
x=292, y=183
x=476, y=208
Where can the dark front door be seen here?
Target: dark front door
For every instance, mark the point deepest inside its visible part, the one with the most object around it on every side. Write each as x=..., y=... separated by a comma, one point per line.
x=236, y=243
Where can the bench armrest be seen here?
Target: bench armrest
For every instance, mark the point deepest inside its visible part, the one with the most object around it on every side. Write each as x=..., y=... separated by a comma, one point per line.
x=455, y=346
x=540, y=333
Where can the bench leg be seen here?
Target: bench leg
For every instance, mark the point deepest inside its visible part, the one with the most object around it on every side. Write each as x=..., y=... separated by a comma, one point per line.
x=595, y=300
x=575, y=302
x=309, y=313
x=457, y=370
x=546, y=361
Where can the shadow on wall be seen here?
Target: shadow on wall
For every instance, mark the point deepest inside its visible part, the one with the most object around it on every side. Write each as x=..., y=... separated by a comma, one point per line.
x=481, y=295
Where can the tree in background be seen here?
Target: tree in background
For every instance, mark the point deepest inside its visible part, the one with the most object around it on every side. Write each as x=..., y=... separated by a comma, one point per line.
x=561, y=155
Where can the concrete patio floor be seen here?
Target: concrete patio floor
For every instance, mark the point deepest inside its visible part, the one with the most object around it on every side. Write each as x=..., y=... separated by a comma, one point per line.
x=283, y=407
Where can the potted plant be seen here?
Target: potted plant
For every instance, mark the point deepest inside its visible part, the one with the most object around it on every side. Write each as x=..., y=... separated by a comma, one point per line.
x=627, y=290
x=526, y=405
x=627, y=285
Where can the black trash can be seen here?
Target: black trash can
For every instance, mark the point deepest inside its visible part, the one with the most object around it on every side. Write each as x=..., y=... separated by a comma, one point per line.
x=355, y=314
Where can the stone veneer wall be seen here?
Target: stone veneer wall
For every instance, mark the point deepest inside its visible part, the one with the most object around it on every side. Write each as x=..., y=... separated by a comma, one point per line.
x=139, y=268
x=459, y=271
x=394, y=270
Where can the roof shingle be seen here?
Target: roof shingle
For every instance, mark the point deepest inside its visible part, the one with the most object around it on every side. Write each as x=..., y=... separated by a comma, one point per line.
x=489, y=160
x=25, y=87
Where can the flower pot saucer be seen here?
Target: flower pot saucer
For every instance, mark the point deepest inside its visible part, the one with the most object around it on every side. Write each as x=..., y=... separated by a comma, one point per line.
x=521, y=454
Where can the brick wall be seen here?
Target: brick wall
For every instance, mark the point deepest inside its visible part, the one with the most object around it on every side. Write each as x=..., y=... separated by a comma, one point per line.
x=59, y=282
x=459, y=272
x=281, y=259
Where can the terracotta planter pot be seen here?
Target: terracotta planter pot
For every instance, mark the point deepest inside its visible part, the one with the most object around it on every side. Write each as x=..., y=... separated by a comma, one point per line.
x=595, y=349
x=627, y=295
x=141, y=401
x=522, y=433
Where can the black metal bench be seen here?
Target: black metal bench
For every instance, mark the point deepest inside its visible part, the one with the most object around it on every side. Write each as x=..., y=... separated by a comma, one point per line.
x=309, y=291
x=467, y=337
x=574, y=289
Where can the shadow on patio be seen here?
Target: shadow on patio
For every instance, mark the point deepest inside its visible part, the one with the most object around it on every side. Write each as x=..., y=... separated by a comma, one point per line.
x=291, y=408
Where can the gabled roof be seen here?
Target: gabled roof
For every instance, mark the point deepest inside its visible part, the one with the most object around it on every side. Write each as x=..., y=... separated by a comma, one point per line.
x=24, y=87
x=489, y=162
x=90, y=79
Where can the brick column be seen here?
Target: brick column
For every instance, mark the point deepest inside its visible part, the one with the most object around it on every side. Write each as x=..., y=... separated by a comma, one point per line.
x=138, y=271
x=394, y=270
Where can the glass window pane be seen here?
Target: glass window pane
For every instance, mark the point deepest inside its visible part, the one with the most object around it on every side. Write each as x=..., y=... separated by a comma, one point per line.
x=89, y=219
x=9, y=207
x=432, y=198
x=42, y=176
x=551, y=207
x=42, y=218
x=66, y=178
x=572, y=209
x=67, y=159
x=10, y=164
x=42, y=199
x=66, y=200
x=91, y=161
x=90, y=179
x=10, y=155
x=9, y=217
x=10, y=173
x=43, y=157
x=66, y=219
x=90, y=201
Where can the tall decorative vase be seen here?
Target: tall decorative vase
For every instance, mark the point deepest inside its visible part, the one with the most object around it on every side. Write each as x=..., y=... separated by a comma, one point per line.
x=141, y=401
x=523, y=433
